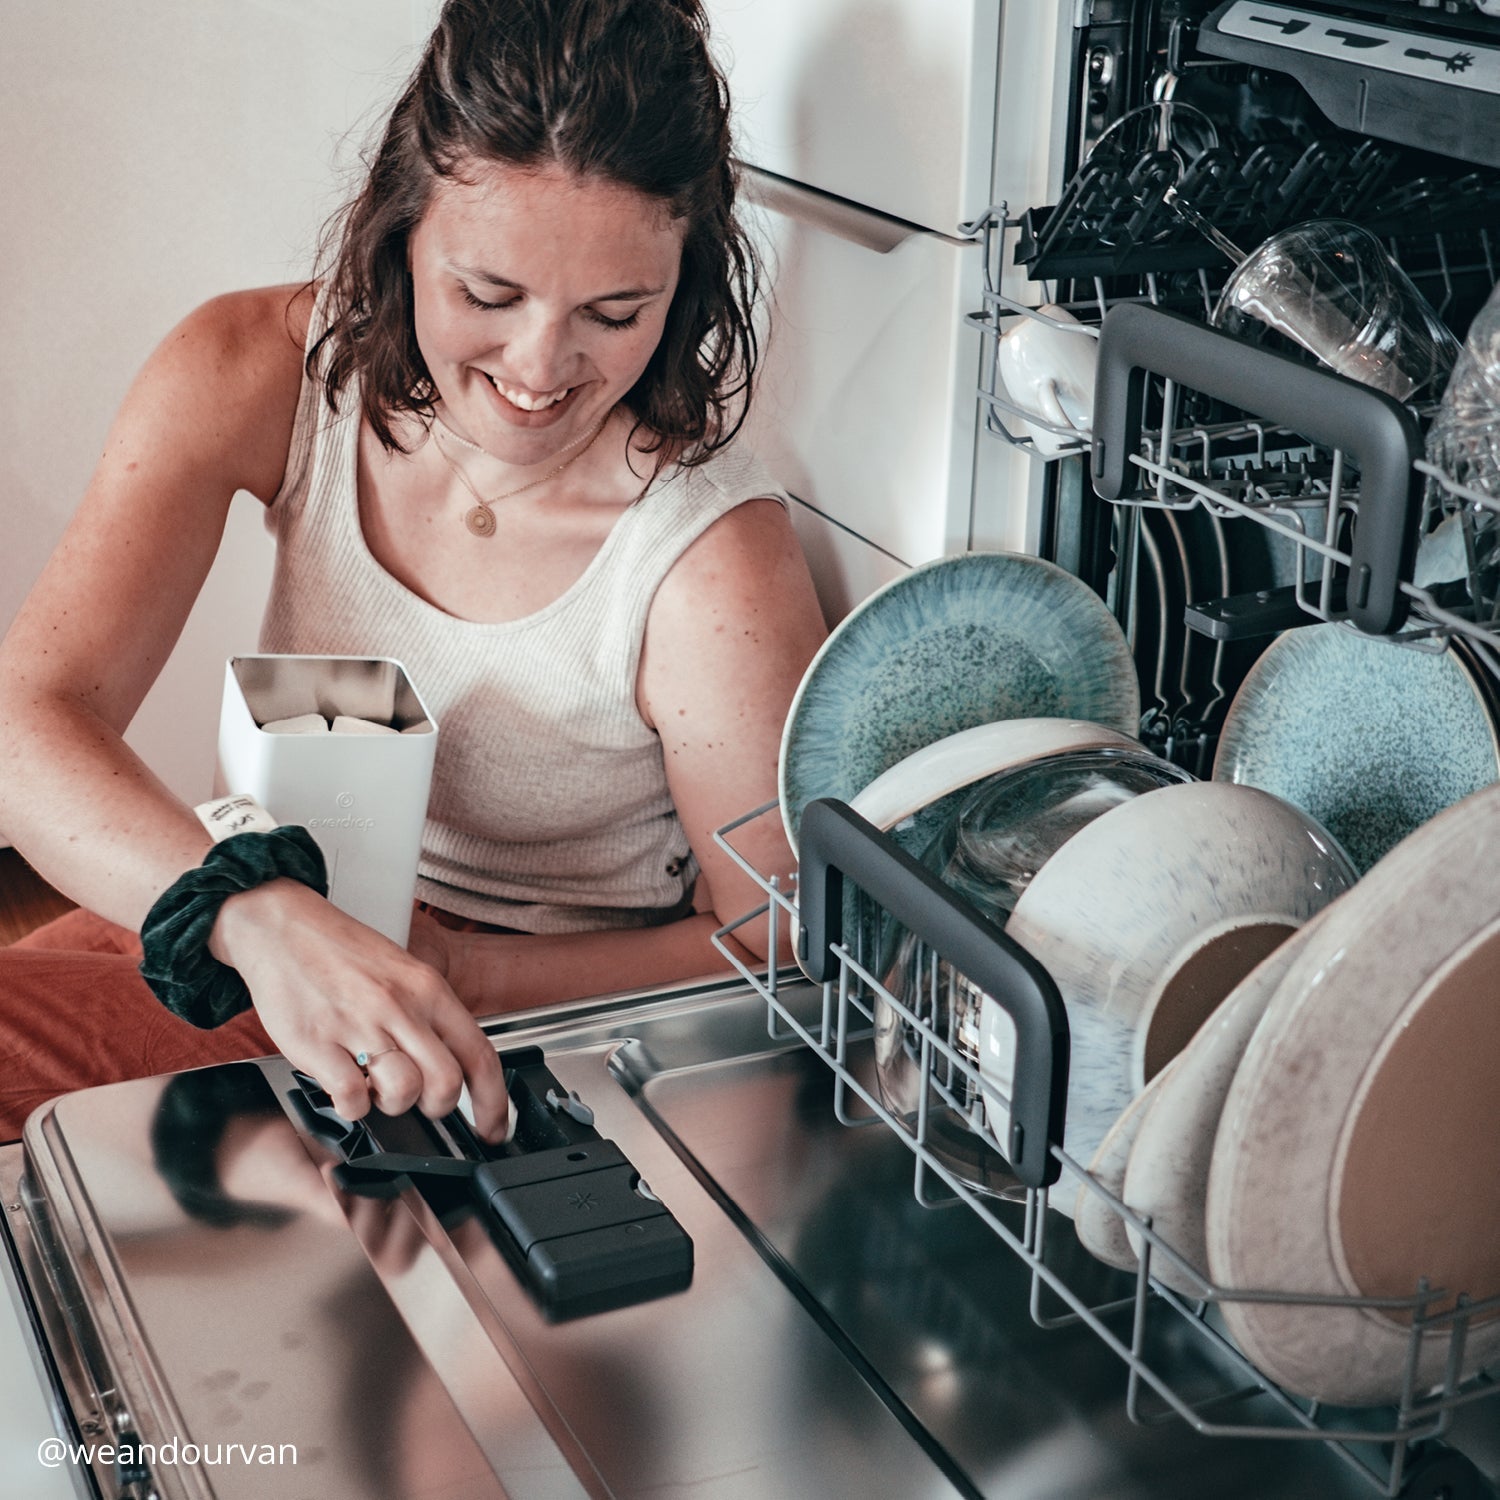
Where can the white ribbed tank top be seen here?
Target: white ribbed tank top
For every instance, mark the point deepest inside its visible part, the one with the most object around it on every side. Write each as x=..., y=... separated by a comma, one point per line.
x=550, y=810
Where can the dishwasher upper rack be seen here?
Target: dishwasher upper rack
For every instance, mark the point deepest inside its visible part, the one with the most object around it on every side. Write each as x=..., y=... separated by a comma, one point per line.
x=839, y=846
x=1248, y=466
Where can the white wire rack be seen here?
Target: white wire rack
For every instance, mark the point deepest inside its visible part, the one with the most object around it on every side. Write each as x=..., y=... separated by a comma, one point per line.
x=1246, y=468
x=1136, y=1326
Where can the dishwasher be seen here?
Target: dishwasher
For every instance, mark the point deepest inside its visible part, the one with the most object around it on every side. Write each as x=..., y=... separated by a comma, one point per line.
x=217, y=1288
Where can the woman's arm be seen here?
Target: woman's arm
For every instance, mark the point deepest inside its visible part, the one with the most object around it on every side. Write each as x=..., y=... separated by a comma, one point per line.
x=730, y=633
x=494, y=972
x=211, y=413
x=110, y=604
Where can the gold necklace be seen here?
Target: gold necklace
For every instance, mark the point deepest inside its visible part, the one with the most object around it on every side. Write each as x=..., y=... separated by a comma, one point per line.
x=475, y=448
x=479, y=518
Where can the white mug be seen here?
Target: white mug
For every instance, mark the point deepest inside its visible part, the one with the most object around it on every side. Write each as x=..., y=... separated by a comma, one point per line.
x=1048, y=373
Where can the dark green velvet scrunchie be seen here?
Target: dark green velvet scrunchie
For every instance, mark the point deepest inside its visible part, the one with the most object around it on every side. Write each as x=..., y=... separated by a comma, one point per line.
x=182, y=973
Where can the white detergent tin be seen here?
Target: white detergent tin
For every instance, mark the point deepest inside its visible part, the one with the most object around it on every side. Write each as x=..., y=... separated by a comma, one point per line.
x=362, y=796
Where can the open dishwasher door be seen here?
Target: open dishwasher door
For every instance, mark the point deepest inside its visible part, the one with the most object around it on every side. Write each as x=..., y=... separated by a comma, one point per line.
x=223, y=1319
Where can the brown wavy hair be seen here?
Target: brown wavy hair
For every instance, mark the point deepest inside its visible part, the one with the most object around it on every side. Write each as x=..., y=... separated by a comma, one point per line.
x=622, y=90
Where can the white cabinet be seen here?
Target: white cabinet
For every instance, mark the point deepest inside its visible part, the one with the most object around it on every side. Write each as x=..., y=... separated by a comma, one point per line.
x=865, y=405
x=845, y=567
x=891, y=105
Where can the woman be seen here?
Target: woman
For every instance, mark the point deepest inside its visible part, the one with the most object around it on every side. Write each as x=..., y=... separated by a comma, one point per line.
x=492, y=443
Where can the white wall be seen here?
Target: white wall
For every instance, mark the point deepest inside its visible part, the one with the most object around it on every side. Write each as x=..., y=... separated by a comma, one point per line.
x=152, y=154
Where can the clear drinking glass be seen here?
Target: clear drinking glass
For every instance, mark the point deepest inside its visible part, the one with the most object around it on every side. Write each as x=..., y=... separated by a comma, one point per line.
x=1331, y=288
x=996, y=837
x=1464, y=442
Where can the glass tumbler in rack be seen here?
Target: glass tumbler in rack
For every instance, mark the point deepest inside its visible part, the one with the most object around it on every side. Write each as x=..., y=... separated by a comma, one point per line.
x=994, y=840
x=1330, y=288
x=1460, y=521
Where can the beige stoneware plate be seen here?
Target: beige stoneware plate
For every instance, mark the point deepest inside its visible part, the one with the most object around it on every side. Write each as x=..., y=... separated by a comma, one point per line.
x=1359, y=1147
x=1100, y=1229
x=1167, y=1176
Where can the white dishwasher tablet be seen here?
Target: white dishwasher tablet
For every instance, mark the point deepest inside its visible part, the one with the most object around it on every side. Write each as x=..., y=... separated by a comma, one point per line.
x=301, y=724
x=347, y=724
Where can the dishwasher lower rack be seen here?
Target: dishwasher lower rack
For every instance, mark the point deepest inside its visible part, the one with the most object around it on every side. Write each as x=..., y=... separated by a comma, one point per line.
x=1184, y=445
x=1388, y=1447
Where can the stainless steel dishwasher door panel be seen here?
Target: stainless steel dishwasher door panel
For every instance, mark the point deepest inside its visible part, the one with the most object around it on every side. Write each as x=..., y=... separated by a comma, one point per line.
x=939, y=1307
x=210, y=1285
x=234, y=1306
x=838, y=1339
x=707, y=1392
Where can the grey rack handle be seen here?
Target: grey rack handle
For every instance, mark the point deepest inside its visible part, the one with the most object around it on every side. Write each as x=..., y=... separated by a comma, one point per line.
x=1377, y=431
x=838, y=843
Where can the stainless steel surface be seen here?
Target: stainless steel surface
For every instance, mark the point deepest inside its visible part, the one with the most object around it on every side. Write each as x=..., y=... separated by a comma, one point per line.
x=32, y=1411
x=938, y=1306
x=271, y=1331
x=400, y=1360
x=866, y=227
x=281, y=687
x=838, y=1339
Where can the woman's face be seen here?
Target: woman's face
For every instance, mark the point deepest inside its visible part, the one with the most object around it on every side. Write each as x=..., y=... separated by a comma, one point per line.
x=539, y=298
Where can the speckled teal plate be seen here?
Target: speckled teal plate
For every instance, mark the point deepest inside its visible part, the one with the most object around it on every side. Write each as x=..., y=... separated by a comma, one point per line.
x=1371, y=739
x=953, y=644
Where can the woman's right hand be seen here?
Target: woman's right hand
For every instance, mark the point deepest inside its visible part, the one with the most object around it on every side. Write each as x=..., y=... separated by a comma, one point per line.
x=326, y=987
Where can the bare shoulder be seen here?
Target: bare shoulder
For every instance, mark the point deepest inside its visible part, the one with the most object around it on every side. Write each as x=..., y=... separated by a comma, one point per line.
x=210, y=412
x=736, y=613
x=741, y=553
x=222, y=386
x=263, y=328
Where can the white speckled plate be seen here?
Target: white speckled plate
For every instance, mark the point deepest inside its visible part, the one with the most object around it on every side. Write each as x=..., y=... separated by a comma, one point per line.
x=1102, y=1231
x=1359, y=1147
x=959, y=760
x=1371, y=739
x=1117, y=908
x=956, y=643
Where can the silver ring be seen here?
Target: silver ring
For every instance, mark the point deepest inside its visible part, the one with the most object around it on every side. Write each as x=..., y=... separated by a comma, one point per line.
x=362, y=1059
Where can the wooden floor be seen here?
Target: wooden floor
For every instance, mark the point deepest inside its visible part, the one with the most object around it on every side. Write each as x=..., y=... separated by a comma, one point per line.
x=26, y=900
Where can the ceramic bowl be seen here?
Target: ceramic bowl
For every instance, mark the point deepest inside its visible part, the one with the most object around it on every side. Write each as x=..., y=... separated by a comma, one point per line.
x=959, y=642
x=995, y=835
x=1205, y=875
x=1371, y=739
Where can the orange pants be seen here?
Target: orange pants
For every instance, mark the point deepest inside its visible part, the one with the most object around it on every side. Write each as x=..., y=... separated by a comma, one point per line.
x=74, y=1011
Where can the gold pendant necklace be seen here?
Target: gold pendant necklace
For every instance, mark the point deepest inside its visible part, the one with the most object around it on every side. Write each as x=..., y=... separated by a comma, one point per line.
x=479, y=518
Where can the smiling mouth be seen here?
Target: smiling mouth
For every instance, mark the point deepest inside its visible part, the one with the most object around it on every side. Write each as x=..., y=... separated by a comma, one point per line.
x=526, y=400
